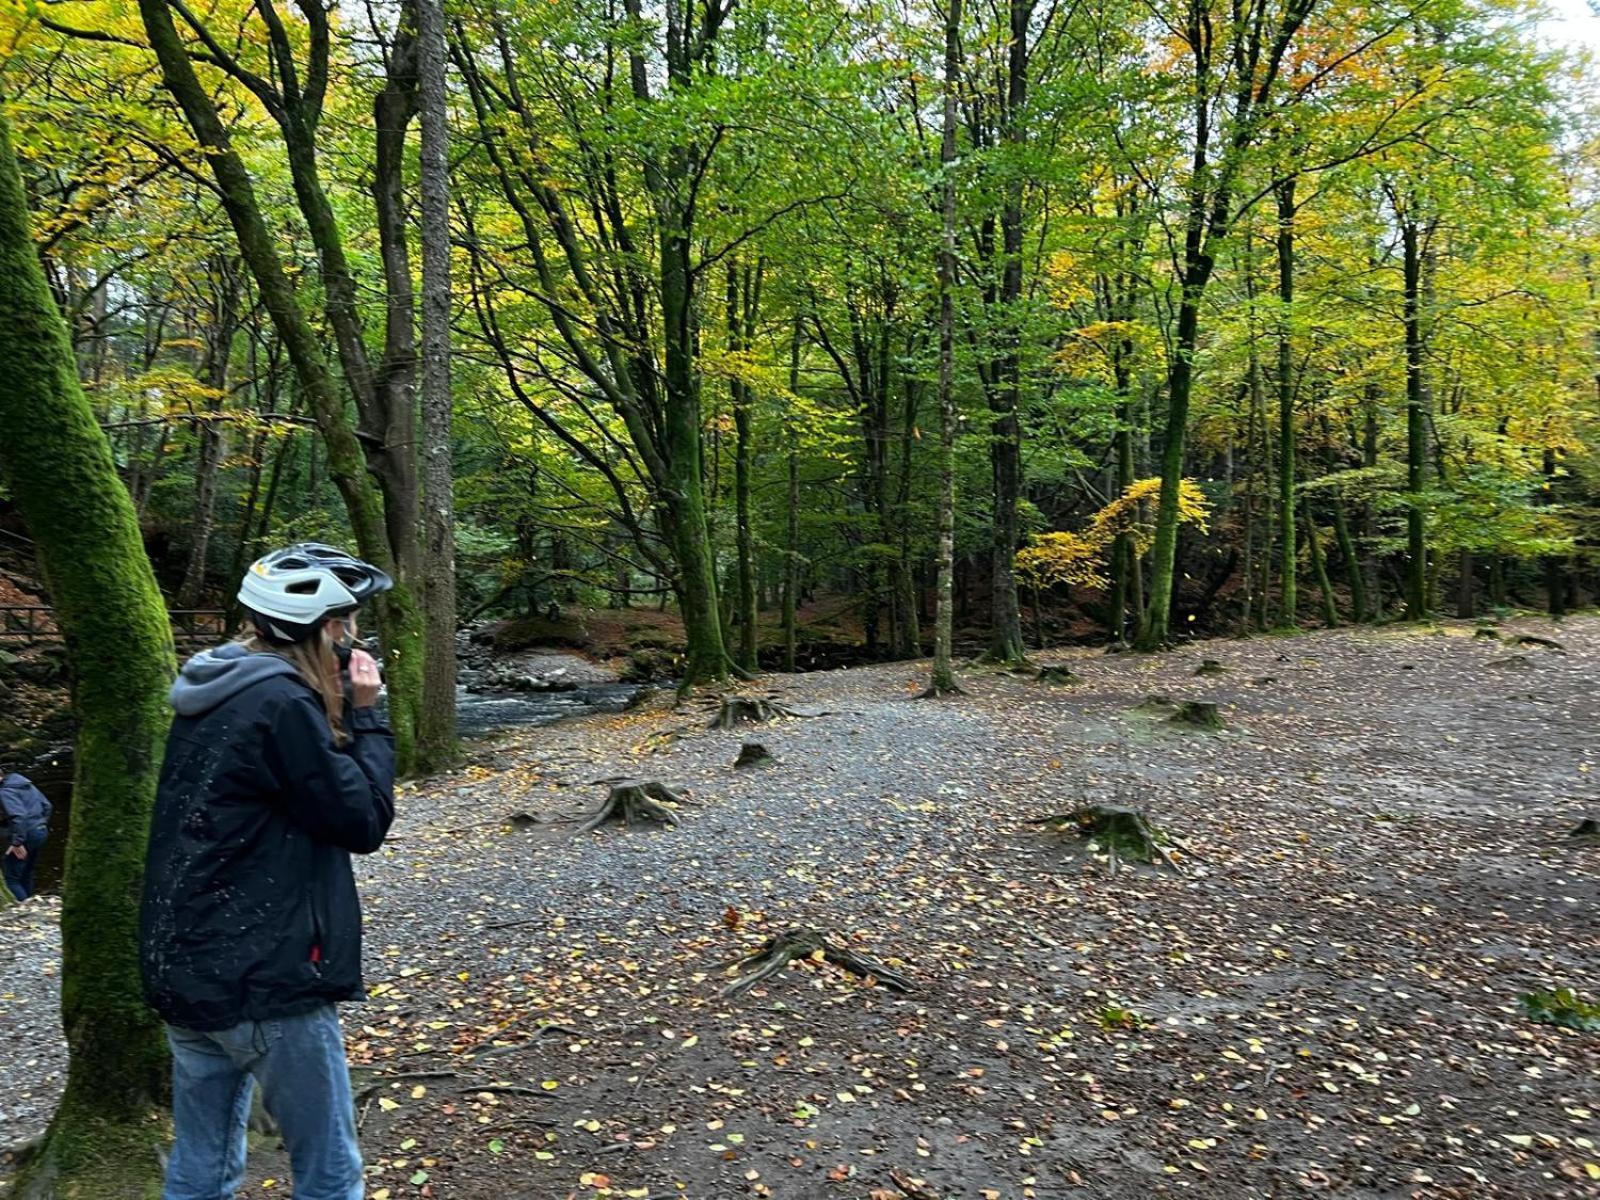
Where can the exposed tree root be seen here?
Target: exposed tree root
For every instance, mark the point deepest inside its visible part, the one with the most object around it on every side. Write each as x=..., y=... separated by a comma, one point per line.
x=1210, y=666
x=912, y=1188
x=1198, y=714
x=734, y=710
x=1587, y=832
x=935, y=690
x=658, y=742
x=795, y=945
x=1059, y=674
x=1519, y=661
x=1123, y=833
x=753, y=754
x=1485, y=634
x=635, y=800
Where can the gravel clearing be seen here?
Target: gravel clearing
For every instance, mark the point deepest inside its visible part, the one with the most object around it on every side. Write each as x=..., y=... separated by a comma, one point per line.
x=1325, y=1000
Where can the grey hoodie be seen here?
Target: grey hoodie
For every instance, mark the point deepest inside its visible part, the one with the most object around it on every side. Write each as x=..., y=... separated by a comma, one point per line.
x=213, y=676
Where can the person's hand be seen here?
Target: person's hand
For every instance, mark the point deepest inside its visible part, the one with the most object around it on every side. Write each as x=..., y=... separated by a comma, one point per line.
x=364, y=679
x=18, y=852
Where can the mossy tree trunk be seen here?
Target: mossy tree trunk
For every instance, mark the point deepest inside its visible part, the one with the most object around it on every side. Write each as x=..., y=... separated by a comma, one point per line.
x=1005, y=396
x=436, y=732
x=943, y=676
x=791, y=553
x=1413, y=236
x=1288, y=548
x=1319, y=570
x=397, y=610
x=57, y=465
x=744, y=304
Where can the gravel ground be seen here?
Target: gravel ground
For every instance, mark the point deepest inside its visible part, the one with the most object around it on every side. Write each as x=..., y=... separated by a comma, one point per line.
x=1325, y=1000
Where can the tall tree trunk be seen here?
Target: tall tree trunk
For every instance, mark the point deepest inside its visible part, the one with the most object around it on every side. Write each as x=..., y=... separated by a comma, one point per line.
x=1125, y=562
x=683, y=510
x=1555, y=573
x=791, y=555
x=1370, y=566
x=213, y=433
x=1352, y=562
x=397, y=611
x=903, y=585
x=744, y=299
x=943, y=676
x=1289, y=552
x=1005, y=446
x=104, y=1139
x=1466, y=589
x=436, y=725
x=1319, y=570
x=1416, y=425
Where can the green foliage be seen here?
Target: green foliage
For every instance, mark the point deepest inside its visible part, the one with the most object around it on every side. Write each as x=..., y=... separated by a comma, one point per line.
x=1561, y=1006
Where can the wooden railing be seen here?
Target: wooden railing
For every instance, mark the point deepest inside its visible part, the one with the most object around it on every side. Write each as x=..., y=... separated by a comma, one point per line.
x=29, y=624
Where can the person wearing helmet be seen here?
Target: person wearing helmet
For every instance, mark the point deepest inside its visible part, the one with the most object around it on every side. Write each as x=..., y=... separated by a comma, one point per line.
x=278, y=769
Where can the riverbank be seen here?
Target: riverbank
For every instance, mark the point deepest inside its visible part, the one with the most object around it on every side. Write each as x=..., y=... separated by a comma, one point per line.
x=1326, y=1000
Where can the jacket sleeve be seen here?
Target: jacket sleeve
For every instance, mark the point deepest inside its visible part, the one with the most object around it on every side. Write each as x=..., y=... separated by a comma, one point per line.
x=8, y=817
x=340, y=795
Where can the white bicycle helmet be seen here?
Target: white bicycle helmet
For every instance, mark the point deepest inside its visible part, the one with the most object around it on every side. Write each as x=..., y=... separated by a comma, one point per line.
x=290, y=592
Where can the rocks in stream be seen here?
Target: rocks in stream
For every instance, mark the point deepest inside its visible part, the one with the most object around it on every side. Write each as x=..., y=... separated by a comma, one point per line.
x=508, y=679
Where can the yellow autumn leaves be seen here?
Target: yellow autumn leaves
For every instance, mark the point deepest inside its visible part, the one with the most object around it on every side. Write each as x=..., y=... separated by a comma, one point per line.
x=1078, y=559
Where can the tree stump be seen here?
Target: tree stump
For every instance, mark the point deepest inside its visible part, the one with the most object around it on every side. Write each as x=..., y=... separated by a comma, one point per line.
x=1198, y=714
x=1543, y=643
x=753, y=754
x=797, y=945
x=632, y=800
x=1123, y=833
x=1156, y=702
x=734, y=710
x=1587, y=832
x=1059, y=675
x=1486, y=634
x=1210, y=666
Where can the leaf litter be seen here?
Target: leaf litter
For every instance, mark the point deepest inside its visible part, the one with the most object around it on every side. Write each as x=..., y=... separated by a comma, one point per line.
x=1331, y=1004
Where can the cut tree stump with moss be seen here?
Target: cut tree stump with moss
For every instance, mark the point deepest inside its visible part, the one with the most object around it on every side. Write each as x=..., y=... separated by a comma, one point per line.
x=1059, y=675
x=734, y=710
x=1198, y=714
x=1486, y=635
x=1543, y=643
x=798, y=945
x=753, y=754
x=1156, y=702
x=1125, y=834
x=1210, y=666
x=633, y=801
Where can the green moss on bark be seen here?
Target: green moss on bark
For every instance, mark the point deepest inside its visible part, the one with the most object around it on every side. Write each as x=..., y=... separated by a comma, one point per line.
x=58, y=466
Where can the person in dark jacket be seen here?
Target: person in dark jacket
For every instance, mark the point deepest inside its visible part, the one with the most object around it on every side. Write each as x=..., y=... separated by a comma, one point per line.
x=26, y=813
x=277, y=770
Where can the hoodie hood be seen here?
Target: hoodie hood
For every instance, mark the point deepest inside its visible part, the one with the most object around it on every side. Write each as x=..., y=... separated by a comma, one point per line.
x=213, y=676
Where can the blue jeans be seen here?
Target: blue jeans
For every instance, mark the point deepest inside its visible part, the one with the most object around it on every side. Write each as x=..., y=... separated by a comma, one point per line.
x=19, y=871
x=300, y=1065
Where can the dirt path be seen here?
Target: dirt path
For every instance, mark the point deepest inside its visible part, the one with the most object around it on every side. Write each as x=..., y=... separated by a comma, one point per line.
x=1327, y=1000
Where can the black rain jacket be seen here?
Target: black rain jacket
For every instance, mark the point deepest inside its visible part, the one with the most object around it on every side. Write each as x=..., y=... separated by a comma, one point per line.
x=250, y=910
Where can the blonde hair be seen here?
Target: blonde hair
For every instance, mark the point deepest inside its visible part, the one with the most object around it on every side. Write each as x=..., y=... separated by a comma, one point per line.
x=316, y=663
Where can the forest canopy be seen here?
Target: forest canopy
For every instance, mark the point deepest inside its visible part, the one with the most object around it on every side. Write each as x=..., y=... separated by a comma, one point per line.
x=1321, y=271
